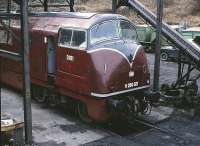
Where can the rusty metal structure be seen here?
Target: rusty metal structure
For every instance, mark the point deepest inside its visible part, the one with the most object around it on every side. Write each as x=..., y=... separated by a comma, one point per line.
x=46, y=4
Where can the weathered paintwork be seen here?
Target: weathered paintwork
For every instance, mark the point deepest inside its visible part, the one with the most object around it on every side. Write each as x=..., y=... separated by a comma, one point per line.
x=96, y=73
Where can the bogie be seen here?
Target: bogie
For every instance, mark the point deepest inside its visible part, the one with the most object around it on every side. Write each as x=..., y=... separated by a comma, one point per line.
x=39, y=94
x=83, y=112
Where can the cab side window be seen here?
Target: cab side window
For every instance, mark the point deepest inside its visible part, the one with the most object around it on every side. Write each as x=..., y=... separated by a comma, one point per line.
x=127, y=31
x=72, y=38
x=5, y=37
x=78, y=39
x=104, y=31
x=65, y=37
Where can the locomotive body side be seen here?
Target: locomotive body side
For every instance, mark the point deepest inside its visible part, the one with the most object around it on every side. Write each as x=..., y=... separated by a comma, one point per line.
x=97, y=69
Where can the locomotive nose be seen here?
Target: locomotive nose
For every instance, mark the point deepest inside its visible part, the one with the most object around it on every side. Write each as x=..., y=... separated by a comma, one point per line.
x=133, y=73
x=115, y=71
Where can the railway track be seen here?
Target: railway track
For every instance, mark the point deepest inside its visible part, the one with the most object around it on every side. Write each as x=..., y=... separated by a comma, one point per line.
x=163, y=130
x=123, y=128
x=135, y=129
x=139, y=132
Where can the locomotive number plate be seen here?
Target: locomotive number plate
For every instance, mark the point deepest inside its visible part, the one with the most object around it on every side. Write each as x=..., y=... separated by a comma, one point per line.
x=131, y=85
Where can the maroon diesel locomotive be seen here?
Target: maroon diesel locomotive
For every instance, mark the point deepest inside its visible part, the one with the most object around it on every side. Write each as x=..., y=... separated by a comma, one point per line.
x=94, y=59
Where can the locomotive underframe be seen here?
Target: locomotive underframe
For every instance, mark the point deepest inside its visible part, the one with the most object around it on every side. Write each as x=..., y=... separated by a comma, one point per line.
x=134, y=103
x=128, y=105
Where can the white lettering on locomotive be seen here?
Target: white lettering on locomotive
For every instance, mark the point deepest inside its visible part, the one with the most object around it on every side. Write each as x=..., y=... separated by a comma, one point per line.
x=69, y=58
x=131, y=74
x=45, y=40
x=135, y=84
x=105, y=68
x=131, y=85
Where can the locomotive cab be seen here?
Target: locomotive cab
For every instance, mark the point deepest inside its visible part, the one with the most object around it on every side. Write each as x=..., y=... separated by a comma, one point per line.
x=114, y=60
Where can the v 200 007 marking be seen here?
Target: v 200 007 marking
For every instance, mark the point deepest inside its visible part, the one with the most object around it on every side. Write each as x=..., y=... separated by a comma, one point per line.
x=131, y=85
x=87, y=58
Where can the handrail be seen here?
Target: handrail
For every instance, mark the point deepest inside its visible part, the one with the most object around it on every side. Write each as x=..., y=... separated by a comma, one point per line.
x=10, y=55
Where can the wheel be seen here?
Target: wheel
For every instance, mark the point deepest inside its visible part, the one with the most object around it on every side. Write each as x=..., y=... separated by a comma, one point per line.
x=164, y=56
x=53, y=100
x=39, y=94
x=83, y=112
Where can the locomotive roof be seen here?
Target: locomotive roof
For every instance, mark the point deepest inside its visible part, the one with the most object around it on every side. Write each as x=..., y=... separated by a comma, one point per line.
x=77, y=15
x=53, y=21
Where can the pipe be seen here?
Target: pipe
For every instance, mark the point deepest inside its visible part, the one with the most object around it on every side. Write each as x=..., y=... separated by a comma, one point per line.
x=158, y=45
x=26, y=71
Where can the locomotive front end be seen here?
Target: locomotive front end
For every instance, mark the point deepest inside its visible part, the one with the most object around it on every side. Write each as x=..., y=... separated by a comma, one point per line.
x=120, y=70
x=122, y=81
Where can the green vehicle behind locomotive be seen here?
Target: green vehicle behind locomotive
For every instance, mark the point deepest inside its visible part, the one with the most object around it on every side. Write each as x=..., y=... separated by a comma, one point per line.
x=147, y=37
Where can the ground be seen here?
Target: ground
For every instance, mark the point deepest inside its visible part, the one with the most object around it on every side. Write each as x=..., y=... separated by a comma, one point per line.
x=51, y=126
x=56, y=127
